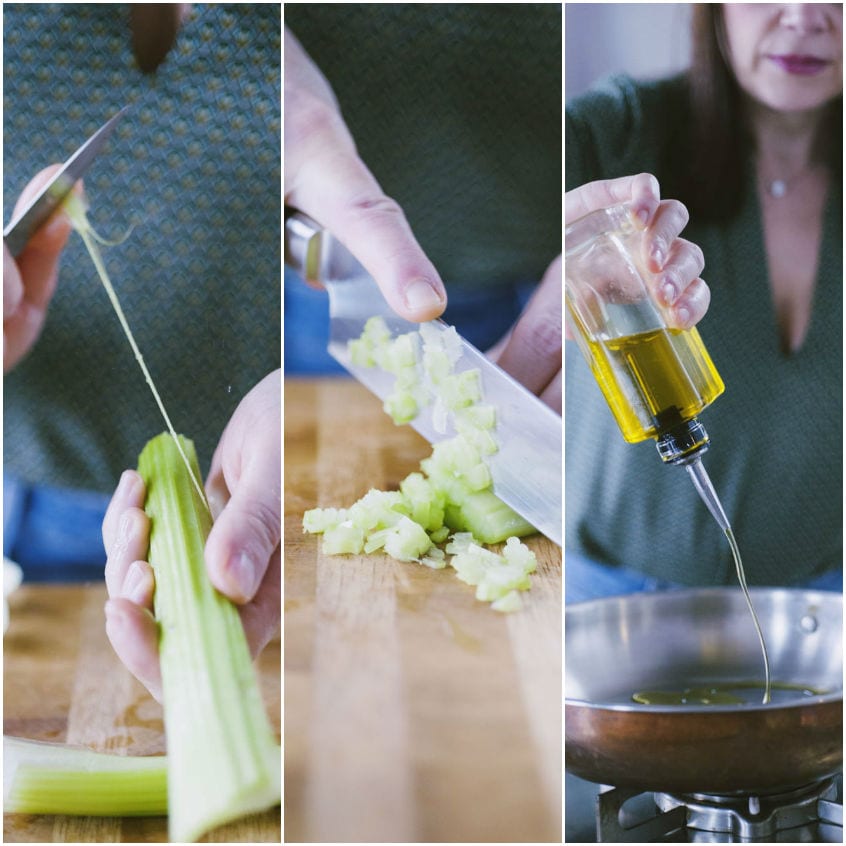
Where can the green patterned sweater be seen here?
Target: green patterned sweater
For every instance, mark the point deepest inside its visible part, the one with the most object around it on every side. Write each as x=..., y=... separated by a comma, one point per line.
x=194, y=165
x=776, y=433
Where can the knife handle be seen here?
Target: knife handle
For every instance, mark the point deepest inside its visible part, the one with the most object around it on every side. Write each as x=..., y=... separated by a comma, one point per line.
x=304, y=245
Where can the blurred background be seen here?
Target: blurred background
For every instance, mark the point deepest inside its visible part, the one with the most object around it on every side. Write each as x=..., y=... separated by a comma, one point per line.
x=645, y=40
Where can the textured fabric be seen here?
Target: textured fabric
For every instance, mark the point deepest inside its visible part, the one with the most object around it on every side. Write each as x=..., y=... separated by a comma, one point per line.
x=776, y=434
x=195, y=165
x=456, y=108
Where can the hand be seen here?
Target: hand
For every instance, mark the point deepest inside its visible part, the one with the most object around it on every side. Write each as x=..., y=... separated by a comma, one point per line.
x=675, y=262
x=30, y=280
x=531, y=353
x=325, y=178
x=242, y=551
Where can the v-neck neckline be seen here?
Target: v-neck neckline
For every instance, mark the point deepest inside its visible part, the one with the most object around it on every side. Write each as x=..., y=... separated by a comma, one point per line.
x=755, y=212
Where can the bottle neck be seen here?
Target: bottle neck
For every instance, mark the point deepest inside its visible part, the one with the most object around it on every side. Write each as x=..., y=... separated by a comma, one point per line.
x=683, y=443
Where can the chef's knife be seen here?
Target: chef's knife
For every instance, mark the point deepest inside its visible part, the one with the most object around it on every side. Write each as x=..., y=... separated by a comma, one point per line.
x=49, y=198
x=526, y=470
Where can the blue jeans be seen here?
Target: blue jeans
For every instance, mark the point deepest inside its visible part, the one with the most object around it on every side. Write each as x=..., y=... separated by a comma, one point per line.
x=53, y=533
x=586, y=579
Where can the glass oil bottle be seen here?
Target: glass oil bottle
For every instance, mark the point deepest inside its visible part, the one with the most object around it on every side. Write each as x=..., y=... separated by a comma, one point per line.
x=656, y=379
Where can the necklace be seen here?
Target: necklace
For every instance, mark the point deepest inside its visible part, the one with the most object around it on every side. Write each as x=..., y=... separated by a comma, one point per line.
x=777, y=188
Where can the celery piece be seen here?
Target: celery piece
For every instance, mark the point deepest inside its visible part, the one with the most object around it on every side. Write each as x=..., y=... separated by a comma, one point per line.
x=487, y=517
x=50, y=778
x=407, y=541
x=343, y=539
x=223, y=760
x=401, y=407
x=318, y=520
x=509, y=603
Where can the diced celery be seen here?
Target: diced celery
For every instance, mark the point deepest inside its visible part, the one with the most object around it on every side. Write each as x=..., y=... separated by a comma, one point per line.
x=509, y=603
x=377, y=510
x=318, y=520
x=439, y=535
x=434, y=558
x=519, y=554
x=475, y=417
x=223, y=760
x=407, y=541
x=401, y=407
x=343, y=539
x=456, y=492
x=487, y=517
x=499, y=579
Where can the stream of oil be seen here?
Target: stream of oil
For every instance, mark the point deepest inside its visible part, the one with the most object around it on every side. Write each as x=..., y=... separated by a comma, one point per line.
x=722, y=693
x=741, y=577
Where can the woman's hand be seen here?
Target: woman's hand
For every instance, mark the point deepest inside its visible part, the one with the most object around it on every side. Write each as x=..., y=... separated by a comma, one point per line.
x=242, y=551
x=30, y=280
x=675, y=262
x=531, y=352
x=325, y=178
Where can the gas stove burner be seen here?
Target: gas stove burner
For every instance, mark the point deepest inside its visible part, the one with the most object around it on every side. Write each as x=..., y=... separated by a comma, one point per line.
x=813, y=813
x=753, y=817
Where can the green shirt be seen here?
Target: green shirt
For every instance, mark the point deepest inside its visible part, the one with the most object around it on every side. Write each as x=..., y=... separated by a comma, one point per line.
x=776, y=433
x=194, y=164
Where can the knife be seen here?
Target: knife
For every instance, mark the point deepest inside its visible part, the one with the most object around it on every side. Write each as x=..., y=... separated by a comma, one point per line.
x=35, y=214
x=526, y=470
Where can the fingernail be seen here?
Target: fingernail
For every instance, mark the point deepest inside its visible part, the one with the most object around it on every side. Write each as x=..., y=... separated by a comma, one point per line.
x=683, y=314
x=643, y=216
x=134, y=584
x=668, y=290
x=658, y=256
x=242, y=576
x=420, y=295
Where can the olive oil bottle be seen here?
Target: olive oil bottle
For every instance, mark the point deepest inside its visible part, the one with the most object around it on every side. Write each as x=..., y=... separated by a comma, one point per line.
x=655, y=379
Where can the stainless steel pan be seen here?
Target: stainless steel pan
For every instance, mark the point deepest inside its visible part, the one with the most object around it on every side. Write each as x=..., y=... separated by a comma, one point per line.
x=675, y=639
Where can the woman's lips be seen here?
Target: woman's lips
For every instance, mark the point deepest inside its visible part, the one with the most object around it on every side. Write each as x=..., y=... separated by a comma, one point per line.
x=798, y=64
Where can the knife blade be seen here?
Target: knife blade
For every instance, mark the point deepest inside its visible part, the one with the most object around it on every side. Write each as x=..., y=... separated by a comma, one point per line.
x=34, y=215
x=526, y=470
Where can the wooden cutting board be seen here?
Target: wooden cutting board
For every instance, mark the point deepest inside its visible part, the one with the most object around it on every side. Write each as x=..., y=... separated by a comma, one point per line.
x=63, y=683
x=413, y=712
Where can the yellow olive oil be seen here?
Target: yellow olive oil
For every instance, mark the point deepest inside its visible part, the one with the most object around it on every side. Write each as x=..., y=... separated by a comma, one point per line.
x=723, y=693
x=655, y=380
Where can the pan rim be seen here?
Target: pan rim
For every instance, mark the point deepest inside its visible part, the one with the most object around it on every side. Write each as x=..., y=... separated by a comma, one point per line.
x=834, y=696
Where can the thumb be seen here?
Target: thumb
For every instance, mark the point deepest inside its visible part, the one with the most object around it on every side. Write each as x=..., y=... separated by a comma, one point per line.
x=246, y=533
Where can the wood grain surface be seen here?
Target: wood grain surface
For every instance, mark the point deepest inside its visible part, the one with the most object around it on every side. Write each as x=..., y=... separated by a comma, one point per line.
x=63, y=683
x=413, y=712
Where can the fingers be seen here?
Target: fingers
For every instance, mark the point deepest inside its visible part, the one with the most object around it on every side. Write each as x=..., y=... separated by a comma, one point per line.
x=691, y=306
x=244, y=479
x=641, y=192
x=532, y=353
x=246, y=534
x=126, y=537
x=677, y=264
x=261, y=617
x=130, y=493
x=30, y=280
x=133, y=634
x=325, y=178
x=669, y=220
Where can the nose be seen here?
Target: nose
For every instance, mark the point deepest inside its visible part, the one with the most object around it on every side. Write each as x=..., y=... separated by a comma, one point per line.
x=805, y=18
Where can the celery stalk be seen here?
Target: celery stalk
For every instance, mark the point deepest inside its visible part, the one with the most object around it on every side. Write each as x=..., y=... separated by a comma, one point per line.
x=49, y=778
x=223, y=761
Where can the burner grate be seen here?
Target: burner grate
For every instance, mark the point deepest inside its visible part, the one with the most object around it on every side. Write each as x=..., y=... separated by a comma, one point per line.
x=813, y=813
